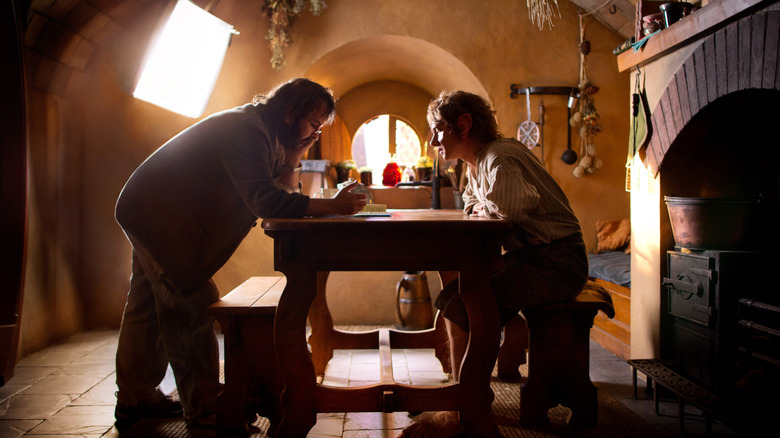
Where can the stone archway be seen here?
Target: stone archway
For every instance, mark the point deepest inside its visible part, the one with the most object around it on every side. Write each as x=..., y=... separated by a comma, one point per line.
x=393, y=58
x=738, y=57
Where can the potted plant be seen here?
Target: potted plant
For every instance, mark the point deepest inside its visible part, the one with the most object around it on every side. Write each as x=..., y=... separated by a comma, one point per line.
x=343, y=169
x=424, y=167
x=365, y=175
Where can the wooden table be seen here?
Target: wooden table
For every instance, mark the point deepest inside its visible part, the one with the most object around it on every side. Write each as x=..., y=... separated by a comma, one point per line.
x=306, y=249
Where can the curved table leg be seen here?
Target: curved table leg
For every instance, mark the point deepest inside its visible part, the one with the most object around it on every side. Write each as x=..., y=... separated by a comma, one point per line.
x=322, y=331
x=298, y=413
x=441, y=346
x=481, y=354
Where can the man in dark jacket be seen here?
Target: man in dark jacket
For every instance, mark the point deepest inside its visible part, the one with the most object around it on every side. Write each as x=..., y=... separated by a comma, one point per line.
x=185, y=210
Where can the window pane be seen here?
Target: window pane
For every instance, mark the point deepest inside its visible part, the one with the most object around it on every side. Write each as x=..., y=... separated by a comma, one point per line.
x=371, y=145
x=183, y=65
x=407, y=144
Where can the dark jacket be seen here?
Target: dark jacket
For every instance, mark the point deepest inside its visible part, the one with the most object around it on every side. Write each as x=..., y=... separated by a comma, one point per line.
x=192, y=202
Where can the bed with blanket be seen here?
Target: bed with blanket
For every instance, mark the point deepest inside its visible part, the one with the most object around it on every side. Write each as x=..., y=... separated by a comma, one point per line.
x=610, y=267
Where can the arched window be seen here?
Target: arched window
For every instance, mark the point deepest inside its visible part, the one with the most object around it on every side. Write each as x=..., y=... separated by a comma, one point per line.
x=381, y=138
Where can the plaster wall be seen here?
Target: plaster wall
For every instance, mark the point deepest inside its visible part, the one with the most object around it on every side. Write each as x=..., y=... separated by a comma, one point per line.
x=647, y=247
x=89, y=134
x=408, y=102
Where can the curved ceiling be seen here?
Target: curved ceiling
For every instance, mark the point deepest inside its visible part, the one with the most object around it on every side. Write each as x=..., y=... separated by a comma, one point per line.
x=393, y=58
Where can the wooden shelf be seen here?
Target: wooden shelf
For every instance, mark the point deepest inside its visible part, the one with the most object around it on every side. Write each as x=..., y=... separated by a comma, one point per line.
x=702, y=22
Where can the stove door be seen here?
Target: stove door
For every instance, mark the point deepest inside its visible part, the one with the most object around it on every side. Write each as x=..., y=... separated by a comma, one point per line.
x=690, y=288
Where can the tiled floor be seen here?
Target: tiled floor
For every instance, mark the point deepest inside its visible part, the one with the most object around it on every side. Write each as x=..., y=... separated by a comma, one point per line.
x=67, y=390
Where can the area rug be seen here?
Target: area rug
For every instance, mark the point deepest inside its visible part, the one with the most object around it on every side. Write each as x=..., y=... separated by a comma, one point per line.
x=614, y=420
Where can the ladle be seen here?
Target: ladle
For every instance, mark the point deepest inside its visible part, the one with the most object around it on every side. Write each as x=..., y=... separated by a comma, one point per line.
x=569, y=156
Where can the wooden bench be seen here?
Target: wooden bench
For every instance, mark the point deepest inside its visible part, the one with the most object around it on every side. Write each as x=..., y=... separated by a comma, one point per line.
x=557, y=338
x=253, y=383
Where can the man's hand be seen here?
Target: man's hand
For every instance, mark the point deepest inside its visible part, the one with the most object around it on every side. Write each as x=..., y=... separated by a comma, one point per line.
x=478, y=210
x=345, y=203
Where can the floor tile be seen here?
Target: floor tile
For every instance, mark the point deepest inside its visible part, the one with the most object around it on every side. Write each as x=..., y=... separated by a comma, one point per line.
x=11, y=389
x=371, y=433
x=422, y=360
x=429, y=378
x=34, y=407
x=364, y=375
x=78, y=420
x=50, y=358
x=30, y=375
x=328, y=425
x=88, y=366
x=102, y=394
x=87, y=435
x=16, y=428
x=106, y=353
x=364, y=357
x=94, y=338
x=338, y=381
x=64, y=384
x=376, y=420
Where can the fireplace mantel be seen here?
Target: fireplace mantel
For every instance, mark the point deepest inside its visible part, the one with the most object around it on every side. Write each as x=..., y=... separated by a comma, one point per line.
x=702, y=22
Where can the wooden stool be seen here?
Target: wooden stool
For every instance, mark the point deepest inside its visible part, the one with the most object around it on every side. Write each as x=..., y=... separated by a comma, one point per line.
x=558, y=356
x=253, y=383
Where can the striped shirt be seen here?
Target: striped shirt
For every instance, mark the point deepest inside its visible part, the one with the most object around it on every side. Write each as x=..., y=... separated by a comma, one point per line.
x=510, y=183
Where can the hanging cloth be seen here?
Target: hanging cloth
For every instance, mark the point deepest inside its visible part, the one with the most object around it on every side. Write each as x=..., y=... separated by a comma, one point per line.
x=640, y=130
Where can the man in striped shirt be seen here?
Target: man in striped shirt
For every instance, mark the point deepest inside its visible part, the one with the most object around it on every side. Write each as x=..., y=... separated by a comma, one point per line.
x=545, y=258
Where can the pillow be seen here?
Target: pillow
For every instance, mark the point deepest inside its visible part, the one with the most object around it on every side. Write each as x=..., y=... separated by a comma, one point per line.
x=613, y=234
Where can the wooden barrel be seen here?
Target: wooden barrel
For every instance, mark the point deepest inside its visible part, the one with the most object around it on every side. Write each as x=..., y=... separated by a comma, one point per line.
x=414, y=310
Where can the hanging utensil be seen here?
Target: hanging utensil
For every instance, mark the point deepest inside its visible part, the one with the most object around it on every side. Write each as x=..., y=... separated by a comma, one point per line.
x=540, y=142
x=528, y=131
x=569, y=156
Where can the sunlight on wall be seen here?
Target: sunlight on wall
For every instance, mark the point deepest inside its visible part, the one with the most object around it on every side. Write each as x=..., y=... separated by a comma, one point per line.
x=645, y=263
x=183, y=64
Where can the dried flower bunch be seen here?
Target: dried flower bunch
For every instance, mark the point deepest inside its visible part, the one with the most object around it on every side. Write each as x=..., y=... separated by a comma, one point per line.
x=282, y=13
x=586, y=118
x=542, y=11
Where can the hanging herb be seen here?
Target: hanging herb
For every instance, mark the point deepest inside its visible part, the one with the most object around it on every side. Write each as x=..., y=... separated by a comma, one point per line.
x=542, y=11
x=282, y=13
x=587, y=118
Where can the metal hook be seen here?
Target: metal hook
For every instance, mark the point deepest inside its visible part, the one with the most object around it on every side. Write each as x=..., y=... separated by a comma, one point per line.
x=613, y=9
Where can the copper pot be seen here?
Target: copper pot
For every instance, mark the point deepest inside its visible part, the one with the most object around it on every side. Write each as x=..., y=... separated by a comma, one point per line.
x=716, y=223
